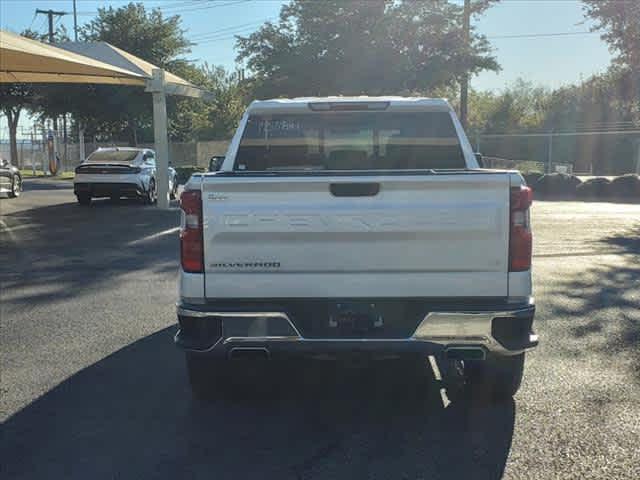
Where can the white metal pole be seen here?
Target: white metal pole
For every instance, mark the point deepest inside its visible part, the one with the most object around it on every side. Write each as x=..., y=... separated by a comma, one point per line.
x=81, y=142
x=638, y=159
x=160, y=137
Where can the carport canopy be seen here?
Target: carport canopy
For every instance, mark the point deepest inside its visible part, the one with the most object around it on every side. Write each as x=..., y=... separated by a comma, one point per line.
x=23, y=60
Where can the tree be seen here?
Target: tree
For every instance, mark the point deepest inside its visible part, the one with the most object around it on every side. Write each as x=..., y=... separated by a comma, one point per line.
x=59, y=35
x=14, y=98
x=520, y=107
x=149, y=35
x=146, y=34
x=373, y=47
x=619, y=22
x=192, y=119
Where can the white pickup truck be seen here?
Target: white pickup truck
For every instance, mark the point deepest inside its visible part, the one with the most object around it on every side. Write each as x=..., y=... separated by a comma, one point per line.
x=361, y=226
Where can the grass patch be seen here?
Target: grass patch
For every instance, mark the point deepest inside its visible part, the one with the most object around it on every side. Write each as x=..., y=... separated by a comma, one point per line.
x=40, y=174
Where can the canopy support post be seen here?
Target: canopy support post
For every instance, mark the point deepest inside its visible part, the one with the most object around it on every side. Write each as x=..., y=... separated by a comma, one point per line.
x=81, y=142
x=157, y=88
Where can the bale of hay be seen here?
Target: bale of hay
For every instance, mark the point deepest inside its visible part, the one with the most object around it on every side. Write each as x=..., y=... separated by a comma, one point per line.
x=594, y=188
x=625, y=186
x=557, y=184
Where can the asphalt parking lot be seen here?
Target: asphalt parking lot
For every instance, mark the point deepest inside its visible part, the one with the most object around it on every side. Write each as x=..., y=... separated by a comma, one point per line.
x=92, y=386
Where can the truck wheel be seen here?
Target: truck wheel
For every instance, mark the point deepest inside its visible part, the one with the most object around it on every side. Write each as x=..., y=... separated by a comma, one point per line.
x=84, y=199
x=208, y=378
x=499, y=376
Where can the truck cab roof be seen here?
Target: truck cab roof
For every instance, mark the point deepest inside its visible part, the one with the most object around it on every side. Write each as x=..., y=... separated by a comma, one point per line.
x=311, y=104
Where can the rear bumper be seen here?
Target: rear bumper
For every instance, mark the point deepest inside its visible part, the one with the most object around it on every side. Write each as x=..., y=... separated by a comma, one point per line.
x=108, y=189
x=504, y=329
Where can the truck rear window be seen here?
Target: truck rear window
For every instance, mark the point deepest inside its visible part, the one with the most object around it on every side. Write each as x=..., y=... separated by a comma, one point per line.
x=107, y=156
x=350, y=141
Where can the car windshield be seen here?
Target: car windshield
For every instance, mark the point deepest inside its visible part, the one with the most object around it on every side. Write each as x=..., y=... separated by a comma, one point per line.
x=113, y=156
x=350, y=141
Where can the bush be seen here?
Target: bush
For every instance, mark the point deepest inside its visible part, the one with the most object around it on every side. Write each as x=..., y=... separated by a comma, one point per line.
x=598, y=187
x=183, y=173
x=532, y=178
x=557, y=184
x=626, y=186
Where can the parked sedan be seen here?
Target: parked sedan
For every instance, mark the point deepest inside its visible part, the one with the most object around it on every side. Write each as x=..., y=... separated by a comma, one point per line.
x=120, y=172
x=10, y=179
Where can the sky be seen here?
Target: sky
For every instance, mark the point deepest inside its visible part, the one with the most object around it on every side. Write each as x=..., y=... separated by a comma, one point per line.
x=549, y=61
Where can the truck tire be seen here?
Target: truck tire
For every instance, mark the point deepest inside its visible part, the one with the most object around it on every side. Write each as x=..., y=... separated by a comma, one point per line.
x=208, y=377
x=84, y=199
x=499, y=376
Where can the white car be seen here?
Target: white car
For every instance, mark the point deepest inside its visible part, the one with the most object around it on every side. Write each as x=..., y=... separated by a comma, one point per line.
x=120, y=172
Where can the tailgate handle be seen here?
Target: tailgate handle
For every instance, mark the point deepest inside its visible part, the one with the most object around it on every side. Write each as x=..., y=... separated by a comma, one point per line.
x=360, y=189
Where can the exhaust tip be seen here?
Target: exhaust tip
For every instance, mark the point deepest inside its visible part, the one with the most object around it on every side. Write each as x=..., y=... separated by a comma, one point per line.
x=253, y=353
x=465, y=353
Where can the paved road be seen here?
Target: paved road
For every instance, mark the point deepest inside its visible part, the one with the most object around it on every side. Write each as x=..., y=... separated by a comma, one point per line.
x=92, y=386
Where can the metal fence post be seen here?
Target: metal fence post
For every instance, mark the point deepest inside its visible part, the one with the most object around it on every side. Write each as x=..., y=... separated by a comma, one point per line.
x=549, y=151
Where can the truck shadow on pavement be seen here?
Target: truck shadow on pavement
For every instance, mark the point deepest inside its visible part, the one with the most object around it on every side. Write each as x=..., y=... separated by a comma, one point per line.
x=131, y=415
x=62, y=251
x=603, y=303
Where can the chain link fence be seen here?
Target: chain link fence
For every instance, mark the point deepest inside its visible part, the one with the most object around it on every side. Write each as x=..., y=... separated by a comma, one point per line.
x=36, y=155
x=605, y=152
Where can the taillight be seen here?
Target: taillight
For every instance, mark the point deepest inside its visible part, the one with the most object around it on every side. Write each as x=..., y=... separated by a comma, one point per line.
x=191, y=244
x=520, y=237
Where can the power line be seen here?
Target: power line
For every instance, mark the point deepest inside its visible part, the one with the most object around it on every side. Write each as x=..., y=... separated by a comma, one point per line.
x=50, y=14
x=226, y=33
x=541, y=35
x=203, y=7
x=229, y=36
x=32, y=20
x=201, y=36
x=182, y=4
x=178, y=8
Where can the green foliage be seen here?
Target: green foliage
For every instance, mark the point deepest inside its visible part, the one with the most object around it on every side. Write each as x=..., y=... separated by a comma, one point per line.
x=193, y=119
x=520, y=107
x=112, y=111
x=598, y=103
x=373, y=47
x=14, y=98
x=60, y=34
x=619, y=22
x=147, y=34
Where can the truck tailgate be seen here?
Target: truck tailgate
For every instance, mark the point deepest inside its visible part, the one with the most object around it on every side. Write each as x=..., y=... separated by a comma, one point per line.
x=439, y=235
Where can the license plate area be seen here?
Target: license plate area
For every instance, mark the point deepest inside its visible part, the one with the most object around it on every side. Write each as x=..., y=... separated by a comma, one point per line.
x=355, y=318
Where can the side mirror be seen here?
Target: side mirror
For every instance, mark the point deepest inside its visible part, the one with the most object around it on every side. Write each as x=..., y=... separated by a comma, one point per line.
x=479, y=159
x=215, y=163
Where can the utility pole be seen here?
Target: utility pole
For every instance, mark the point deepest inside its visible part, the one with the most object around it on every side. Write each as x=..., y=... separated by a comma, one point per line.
x=464, y=82
x=75, y=21
x=50, y=14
